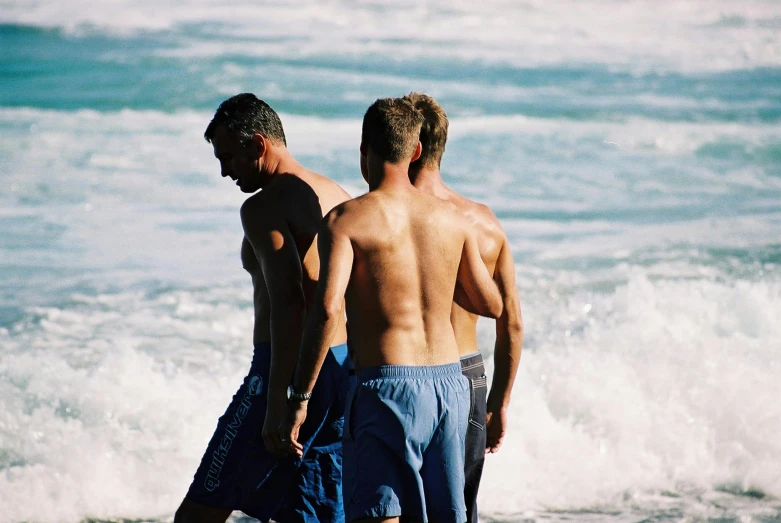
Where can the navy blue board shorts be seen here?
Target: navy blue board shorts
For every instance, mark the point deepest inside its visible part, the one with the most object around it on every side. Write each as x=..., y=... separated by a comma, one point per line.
x=237, y=472
x=474, y=458
x=404, y=443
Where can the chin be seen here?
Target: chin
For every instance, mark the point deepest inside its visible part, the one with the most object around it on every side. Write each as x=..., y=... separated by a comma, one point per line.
x=250, y=189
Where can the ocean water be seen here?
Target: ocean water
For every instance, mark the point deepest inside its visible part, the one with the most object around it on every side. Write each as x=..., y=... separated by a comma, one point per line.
x=632, y=151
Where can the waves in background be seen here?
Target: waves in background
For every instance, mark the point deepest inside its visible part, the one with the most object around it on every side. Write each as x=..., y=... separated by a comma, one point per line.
x=632, y=151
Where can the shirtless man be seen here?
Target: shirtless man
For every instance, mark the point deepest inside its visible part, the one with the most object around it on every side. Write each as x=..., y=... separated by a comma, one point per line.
x=488, y=419
x=280, y=224
x=396, y=254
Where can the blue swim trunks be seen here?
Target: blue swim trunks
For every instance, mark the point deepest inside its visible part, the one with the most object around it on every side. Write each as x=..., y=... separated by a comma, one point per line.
x=237, y=472
x=404, y=443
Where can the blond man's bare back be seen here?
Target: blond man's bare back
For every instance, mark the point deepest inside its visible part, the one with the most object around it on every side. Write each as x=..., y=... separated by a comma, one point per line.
x=408, y=248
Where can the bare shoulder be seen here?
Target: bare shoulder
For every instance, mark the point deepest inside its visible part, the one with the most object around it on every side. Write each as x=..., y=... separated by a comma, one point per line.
x=480, y=216
x=344, y=214
x=450, y=210
x=328, y=191
x=256, y=207
x=284, y=197
x=331, y=184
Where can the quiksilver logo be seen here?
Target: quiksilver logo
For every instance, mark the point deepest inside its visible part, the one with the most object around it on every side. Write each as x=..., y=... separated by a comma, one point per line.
x=220, y=454
x=255, y=385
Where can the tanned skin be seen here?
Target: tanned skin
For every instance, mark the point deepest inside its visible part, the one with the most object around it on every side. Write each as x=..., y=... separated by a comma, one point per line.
x=393, y=256
x=497, y=257
x=279, y=252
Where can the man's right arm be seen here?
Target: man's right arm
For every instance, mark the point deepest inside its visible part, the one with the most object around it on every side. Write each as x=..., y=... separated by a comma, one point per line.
x=481, y=293
x=507, y=351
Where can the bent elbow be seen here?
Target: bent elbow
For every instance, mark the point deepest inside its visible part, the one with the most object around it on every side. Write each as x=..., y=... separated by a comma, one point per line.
x=491, y=307
x=512, y=311
x=496, y=309
x=332, y=309
x=516, y=330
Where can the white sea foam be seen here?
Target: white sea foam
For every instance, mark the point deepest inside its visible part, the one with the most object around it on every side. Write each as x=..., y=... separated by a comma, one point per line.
x=651, y=365
x=108, y=402
x=153, y=177
x=172, y=143
x=693, y=35
x=660, y=385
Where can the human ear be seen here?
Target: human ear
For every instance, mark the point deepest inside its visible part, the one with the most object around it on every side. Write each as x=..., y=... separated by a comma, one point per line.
x=259, y=143
x=417, y=153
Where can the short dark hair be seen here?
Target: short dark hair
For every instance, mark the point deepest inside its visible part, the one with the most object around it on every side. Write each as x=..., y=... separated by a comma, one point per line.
x=244, y=115
x=391, y=128
x=433, y=132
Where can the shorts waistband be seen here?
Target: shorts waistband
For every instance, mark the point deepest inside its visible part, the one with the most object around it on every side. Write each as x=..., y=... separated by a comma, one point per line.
x=471, y=361
x=409, y=371
x=340, y=352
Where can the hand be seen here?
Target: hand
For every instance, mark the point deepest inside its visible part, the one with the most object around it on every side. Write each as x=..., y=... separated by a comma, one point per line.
x=495, y=426
x=288, y=431
x=275, y=414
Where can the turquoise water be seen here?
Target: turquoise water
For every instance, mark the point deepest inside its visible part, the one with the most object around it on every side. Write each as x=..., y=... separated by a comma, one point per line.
x=631, y=151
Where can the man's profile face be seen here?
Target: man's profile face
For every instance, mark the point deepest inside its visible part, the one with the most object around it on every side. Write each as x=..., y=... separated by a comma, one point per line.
x=239, y=162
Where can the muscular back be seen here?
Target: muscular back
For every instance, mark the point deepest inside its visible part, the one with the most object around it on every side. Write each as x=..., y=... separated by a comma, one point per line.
x=407, y=247
x=300, y=201
x=490, y=240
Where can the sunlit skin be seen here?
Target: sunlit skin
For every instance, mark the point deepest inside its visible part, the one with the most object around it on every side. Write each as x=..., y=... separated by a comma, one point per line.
x=495, y=253
x=396, y=255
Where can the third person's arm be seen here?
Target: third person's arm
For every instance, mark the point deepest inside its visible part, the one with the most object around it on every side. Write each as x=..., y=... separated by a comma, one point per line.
x=507, y=351
x=480, y=291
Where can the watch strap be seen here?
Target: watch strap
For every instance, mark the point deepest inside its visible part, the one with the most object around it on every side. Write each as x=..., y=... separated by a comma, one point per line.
x=298, y=397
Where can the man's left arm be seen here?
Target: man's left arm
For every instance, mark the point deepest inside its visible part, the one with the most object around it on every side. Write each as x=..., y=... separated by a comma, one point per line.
x=336, y=260
x=276, y=251
x=507, y=351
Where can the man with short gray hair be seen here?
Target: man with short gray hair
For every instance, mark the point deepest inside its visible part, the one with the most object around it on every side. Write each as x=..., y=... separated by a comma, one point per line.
x=280, y=225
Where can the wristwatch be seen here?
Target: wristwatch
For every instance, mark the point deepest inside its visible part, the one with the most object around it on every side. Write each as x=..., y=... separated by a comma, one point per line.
x=297, y=397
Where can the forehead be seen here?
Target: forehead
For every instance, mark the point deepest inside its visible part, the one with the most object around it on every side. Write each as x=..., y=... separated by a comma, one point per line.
x=224, y=141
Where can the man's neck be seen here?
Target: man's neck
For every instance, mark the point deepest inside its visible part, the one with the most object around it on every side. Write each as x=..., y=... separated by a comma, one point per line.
x=429, y=180
x=280, y=161
x=393, y=177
